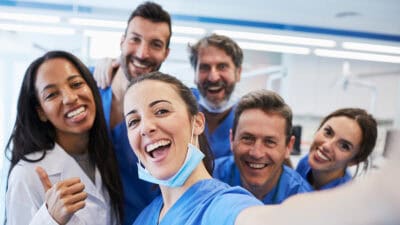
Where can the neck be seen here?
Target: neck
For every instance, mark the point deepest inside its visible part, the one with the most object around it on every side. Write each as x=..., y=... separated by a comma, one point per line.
x=321, y=178
x=215, y=119
x=171, y=195
x=74, y=144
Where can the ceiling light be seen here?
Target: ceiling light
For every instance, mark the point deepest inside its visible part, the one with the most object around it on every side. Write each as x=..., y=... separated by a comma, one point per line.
x=97, y=33
x=371, y=47
x=37, y=29
x=278, y=38
x=274, y=48
x=188, y=30
x=29, y=17
x=183, y=40
x=357, y=55
x=98, y=23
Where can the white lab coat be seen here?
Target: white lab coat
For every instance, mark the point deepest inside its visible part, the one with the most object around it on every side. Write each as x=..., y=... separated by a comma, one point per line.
x=25, y=197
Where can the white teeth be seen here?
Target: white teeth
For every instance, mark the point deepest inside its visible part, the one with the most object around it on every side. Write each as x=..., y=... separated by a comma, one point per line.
x=76, y=112
x=257, y=165
x=153, y=146
x=215, y=88
x=137, y=64
x=319, y=153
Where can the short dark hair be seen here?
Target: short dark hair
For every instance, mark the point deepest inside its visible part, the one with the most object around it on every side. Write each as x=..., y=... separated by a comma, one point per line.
x=191, y=104
x=225, y=43
x=153, y=12
x=30, y=134
x=368, y=126
x=267, y=101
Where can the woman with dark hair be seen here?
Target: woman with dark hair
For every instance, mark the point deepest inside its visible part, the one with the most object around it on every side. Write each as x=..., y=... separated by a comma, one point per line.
x=60, y=132
x=165, y=129
x=346, y=137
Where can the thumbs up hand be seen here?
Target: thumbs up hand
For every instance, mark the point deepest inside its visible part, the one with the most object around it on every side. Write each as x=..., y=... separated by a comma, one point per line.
x=64, y=198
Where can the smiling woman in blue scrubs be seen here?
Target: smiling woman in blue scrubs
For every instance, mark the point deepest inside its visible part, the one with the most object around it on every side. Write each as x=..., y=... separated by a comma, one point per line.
x=346, y=137
x=165, y=129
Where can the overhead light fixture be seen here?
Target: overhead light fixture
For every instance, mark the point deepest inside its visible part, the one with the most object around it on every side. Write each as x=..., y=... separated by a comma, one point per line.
x=98, y=23
x=278, y=38
x=29, y=17
x=274, y=48
x=37, y=29
x=183, y=40
x=371, y=47
x=357, y=55
x=100, y=33
x=188, y=30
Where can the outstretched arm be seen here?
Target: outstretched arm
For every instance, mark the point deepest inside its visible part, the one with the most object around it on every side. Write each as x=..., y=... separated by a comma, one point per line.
x=372, y=200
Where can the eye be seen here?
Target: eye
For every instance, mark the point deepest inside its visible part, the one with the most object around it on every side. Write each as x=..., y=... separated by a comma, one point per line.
x=132, y=123
x=50, y=95
x=160, y=112
x=269, y=142
x=157, y=45
x=204, y=68
x=134, y=39
x=77, y=84
x=222, y=66
x=328, y=131
x=247, y=139
x=344, y=146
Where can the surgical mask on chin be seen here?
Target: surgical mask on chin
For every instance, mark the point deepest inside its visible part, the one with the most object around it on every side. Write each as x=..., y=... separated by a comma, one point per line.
x=193, y=158
x=212, y=109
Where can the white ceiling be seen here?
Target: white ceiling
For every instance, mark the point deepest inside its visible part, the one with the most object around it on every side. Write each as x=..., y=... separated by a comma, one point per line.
x=380, y=17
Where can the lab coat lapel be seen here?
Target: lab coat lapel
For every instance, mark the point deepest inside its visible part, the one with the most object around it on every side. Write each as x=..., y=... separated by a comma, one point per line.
x=72, y=169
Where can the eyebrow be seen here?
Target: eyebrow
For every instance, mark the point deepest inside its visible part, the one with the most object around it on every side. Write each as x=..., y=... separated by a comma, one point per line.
x=53, y=85
x=150, y=105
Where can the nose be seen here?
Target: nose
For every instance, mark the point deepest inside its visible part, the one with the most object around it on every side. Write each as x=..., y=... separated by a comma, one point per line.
x=69, y=97
x=213, y=76
x=147, y=127
x=328, y=144
x=256, y=151
x=142, y=51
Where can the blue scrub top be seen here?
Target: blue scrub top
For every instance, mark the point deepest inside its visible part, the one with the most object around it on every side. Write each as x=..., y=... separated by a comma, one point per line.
x=219, y=139
x=290, y=182
x=206, y=202
x=304, y=169
x=137, y=193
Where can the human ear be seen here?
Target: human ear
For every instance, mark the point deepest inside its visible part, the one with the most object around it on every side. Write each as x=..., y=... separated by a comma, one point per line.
x=122, y=41
x=199, y=124
x=289, y=146
x=41, y=114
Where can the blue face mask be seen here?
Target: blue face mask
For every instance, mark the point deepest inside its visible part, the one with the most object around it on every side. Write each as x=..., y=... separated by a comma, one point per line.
x=193, y=158
x=227, y=104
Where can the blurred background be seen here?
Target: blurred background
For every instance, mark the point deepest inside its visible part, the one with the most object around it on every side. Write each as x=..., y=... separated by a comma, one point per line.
x=318, y=54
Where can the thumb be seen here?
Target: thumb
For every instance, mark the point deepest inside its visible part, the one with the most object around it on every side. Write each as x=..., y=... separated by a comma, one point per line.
x=44, y=178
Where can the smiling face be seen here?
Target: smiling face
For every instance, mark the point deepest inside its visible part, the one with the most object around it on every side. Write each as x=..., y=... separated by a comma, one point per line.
x=144, y=46
x=65, y=98
x=259, y=147
x=159, y=126
x=335, y=144
x=216, y=75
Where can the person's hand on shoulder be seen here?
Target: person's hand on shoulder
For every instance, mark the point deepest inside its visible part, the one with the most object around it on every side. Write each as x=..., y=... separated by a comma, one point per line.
x=105, y=70
x=64, y=198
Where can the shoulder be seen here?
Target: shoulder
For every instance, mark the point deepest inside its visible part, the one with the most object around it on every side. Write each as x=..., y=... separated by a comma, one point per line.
x=295, y=181
x=223, y=163
x=227, y=203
